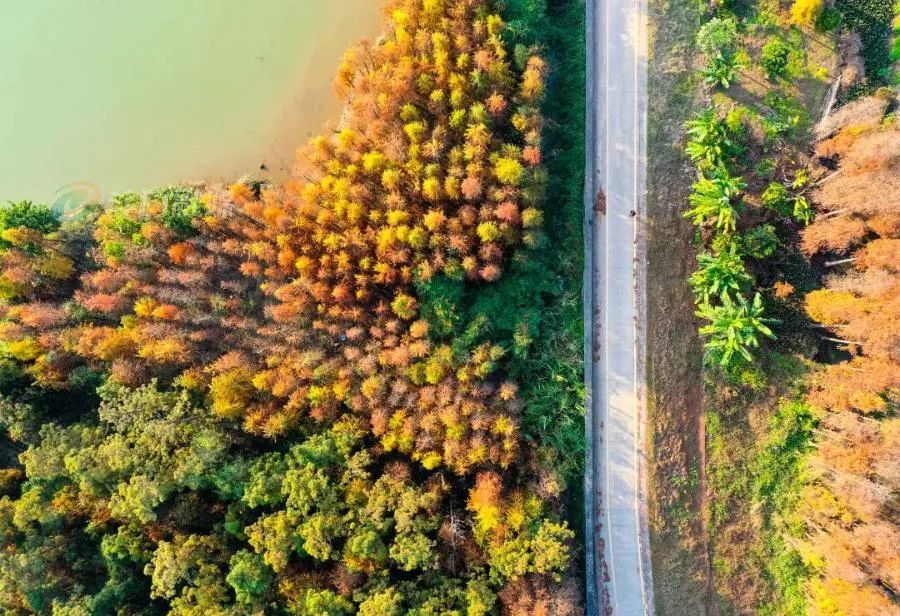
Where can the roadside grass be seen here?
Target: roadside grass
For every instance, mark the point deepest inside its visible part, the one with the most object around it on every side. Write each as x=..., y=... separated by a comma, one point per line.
x=757, y=428
x=553, y=377
x=758, y=431
x=717, y=518
x=757, y=440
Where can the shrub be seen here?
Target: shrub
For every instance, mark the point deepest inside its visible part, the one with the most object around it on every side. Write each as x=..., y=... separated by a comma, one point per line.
x=774, y=58
x=721, y=71
x=765, y=169
x=829, y=20
x=759, y=242
x=805, y=12
x=28, y=215
x=777, y=198
x=718, y=35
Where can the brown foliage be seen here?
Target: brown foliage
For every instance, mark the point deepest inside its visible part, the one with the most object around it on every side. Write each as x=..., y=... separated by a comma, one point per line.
x=533, y=596
x=867, y=182
x=849, y=508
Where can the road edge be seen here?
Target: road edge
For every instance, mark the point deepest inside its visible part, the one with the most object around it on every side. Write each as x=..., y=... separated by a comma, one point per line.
x=590, y=510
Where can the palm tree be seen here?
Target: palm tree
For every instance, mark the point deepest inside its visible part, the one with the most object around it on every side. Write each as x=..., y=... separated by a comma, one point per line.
x=719, y=275
x=734, y=328
x=714, y=199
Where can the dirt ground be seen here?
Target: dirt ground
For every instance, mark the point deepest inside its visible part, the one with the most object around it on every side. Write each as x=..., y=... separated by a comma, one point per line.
x=678, y=539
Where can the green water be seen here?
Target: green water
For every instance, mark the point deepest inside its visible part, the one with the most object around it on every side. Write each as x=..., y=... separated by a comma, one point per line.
x=114, y=95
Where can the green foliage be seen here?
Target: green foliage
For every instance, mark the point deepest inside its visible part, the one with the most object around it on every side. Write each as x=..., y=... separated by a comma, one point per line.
x=385, y=603
x=21, y=421
x=777, y=198
x=774, y=58
x=779, y=474
x=717, y=39
x=715, y=200
x=720, y=274
x=802, y=211
x=721, y=71
x=872, y=20
x=180, y=207
x=439, y=304
x=248, y=576
x=829, y=20
x=759, y=242
x=786, y=117
x=718, y=35
x=166, y=489
x=546, y=551
x=763, y=472
x=713, y=141
x=315, y=602
x=734, y=328
x=25, y=214
x=263, y=486
x=780, y=459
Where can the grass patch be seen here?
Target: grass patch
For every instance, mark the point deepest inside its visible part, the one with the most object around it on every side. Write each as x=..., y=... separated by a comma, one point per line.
x=757, y=442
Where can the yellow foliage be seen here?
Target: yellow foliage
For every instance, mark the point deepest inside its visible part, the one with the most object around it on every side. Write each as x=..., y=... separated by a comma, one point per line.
x=26, y=349
x=56, y=266
x=831, y=307
x=164, y=350
x=431, y=460
x=805, y=12
x=145, y=306
x=240, y=192
x=231, y=392
x=488, y=231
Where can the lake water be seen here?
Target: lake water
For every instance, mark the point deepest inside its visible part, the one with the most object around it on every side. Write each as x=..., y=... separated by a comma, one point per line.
x=107, y=96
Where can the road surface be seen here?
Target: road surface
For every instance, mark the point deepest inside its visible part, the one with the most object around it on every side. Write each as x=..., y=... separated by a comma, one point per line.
x=618, y=563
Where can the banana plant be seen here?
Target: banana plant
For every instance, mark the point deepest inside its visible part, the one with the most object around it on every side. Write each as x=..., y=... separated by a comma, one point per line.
x=708, y=140
x=734, y=328
x=719, y=275
x=721, y=71
x=716, y=200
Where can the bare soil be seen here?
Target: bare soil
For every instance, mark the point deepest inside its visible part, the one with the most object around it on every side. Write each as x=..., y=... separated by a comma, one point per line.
x=674, y=352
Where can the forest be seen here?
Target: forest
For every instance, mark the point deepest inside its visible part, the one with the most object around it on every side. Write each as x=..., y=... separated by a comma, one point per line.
x=341, y=394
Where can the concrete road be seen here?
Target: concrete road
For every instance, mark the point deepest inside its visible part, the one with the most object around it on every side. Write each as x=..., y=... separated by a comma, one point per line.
x=618, y=563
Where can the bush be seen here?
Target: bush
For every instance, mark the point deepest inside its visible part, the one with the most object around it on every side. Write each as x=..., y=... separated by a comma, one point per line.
x=718, y=36
x=872, y=20
x=775, y=58
x=27, y=215
x=759, y=242
x=787, y=117
x=765, y=169
x=777, y=198
x=829, y=20
x=805, y=12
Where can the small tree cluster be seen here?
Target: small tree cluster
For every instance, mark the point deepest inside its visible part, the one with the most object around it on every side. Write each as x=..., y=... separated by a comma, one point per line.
x=852, y=510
